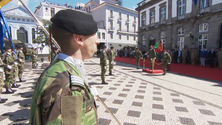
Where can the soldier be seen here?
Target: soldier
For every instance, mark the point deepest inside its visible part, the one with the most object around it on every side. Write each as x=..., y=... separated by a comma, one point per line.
x=2, y=100
x=21, y=61
x=103, y=64
x=111, y=56
x=152, y=56
x=14, y=69
x=193, y=56
x=171, y=55
x=166, y=59
x=8, y=62
x=138, y=55
x=219, y=56
x=62, y=94
x=184, y=55
x=34, y=58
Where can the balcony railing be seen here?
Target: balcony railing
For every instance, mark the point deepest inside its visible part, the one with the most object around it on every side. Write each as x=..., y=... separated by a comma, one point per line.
x=205, y=10
x=111, y=17
x=126, y=31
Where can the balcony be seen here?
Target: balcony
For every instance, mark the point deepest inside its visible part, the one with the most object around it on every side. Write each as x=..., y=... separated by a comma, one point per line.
x=129, y=32
x=181, y=17
x=111, y=17
x=119, y=19
x=111, y=29
x=205, y=10
x=127, y=21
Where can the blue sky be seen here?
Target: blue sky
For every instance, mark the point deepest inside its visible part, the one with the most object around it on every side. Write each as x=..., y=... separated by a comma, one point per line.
x=32, y=4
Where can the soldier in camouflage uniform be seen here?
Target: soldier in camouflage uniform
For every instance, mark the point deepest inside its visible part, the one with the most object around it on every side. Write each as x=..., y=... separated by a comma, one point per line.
x=2, y=100
x=152, y=56
x=14, y=69
x=111, y=57
x=21, y=61
x=8, y=62
x=138, y=55
x=34, y=58
x=166, y=59
x=62, y=95
x=103, y=64
x=184, y=55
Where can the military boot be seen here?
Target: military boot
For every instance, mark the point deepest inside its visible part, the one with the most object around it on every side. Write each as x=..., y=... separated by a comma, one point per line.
x=103, y=82
x=21, y=80
x=15, y=85
x=3, y=100
x=9, y=91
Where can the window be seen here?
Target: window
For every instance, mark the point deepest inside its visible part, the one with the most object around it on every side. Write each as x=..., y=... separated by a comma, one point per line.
x=143, y=40
x=181, y=31
x=111, y=36
x=13, y=18
x=98, y=34
x=28, y=20
x=203, y=35
x=33, y=34
x=111, y=25
x=163, y=37
x=103, y=35
x=119, y=36
x=152, y=17
x=134, y=29
x=134, y=19
x=127, y=37
x=134, y=38
x=163, y=14
x=204, y=3
x=203, y=27
x=181, y=7
x=52, y=12
x=127, y=28
x=143, y=19
x=127, y=17
x=23, y=19
x=111, y=13
x=18, y=19
x=181, y=38
x=10, y=31
x=120, y=15
x=120, y=27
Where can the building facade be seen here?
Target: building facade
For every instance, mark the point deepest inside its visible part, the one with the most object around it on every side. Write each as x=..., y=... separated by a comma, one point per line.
x=180, y=23
x=22, y=25
x=117, y=25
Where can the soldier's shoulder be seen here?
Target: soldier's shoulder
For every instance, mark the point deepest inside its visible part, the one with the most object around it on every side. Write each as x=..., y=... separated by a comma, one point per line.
x=55, y=69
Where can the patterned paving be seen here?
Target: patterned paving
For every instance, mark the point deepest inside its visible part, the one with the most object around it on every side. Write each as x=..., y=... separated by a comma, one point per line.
x=133, y=101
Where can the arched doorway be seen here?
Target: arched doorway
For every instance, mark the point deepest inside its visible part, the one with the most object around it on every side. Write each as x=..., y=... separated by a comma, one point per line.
x=22, y=35
x=220, y=39
x=152, y=40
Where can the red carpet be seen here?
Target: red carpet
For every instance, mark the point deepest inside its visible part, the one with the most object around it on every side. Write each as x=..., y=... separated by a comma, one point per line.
x=196, y=71
x=156, y=71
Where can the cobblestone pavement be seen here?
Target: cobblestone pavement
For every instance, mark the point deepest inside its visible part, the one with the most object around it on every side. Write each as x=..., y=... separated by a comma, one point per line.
x=135, y=97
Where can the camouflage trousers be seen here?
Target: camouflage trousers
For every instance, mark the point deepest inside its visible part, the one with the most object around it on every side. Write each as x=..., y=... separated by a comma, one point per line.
x=34, y=60
x=152, y=62
x=8, y=80
x=14, y=75
x=20, y=70
x=164, y=66
x=138, y=61
x=1, y=81
x=110, y=67
x=103, y=72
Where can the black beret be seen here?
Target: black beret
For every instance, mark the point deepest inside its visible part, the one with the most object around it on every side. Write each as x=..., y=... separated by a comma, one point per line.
x=6, y=47
x=19, y=46
x=75, y=22
x=103, y=47
x=111, y=47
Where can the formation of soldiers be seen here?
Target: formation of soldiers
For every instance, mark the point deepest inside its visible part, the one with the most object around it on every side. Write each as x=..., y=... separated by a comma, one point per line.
x=12, y=65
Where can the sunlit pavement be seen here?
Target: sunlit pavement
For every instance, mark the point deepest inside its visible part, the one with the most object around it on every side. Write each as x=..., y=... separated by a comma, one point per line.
x=134, y=97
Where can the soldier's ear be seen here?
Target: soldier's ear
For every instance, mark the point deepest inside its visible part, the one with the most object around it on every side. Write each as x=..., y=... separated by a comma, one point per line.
x=78, y=39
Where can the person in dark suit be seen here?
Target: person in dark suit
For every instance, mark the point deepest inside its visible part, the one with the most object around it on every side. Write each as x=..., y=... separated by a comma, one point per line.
x=212, y=56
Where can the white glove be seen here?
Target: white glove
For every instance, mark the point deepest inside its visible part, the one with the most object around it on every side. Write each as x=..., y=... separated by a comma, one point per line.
x=1, y=70
x=168, y=63
x=16, y=63
x=112, y=62
x=94, y=91
x=155, y=58
x=9, y=67
x=20, y=60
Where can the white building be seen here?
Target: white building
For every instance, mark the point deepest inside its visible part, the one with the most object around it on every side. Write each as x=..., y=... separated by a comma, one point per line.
x=117, y=25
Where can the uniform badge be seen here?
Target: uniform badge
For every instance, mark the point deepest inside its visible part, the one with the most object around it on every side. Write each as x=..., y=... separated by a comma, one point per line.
x=76, y=80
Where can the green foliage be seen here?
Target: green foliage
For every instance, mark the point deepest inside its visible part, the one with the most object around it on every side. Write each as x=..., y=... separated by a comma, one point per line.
x=42, y=37
x=120, y=2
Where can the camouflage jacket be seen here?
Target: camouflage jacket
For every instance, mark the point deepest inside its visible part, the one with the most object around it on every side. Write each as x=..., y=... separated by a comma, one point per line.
x=34, y=54
x=61, y=97
x=184, y=53
x=219, y=54
x=21, y=57
x=103, y=58
x=8, y=59
x=152, y=53
x=111, y=55
x=166, y=58
x=1, y=64
x=138, y=54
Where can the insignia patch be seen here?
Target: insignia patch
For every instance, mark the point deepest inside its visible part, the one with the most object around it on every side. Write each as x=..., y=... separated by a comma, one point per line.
x=76, y=79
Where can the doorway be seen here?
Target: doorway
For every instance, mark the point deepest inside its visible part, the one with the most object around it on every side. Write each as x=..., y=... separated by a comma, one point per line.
x=22, y=35
x=220, y=39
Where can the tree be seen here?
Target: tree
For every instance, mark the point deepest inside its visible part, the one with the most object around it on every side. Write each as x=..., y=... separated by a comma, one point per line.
x=120, y=2
x=42, y=37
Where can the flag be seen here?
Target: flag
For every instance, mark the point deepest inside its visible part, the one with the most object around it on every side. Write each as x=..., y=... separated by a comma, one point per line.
x=4, y=2
x=159, y=47
x=195, y=2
